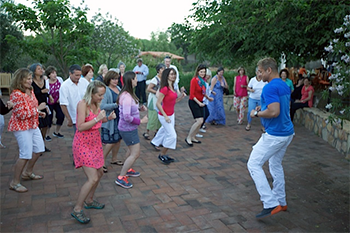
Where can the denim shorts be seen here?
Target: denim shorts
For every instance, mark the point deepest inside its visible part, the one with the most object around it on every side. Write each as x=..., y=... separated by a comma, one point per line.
x=130, y=137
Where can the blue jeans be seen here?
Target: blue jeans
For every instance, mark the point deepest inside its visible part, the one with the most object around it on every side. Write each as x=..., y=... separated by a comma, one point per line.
x=252, y=104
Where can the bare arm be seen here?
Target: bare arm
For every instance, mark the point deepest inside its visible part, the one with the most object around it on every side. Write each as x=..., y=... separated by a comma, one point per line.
x=272, y=111
x=150, y=88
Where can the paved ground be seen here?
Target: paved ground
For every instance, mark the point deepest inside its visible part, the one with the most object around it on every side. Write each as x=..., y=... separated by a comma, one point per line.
x=208, y=188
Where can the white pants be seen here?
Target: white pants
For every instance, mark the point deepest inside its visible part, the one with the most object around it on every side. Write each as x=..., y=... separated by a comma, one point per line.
x=29, y=141
x=166, y=135
x=270, y=148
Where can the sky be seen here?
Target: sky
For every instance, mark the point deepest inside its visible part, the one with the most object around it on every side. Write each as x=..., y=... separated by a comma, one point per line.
x=138, y=17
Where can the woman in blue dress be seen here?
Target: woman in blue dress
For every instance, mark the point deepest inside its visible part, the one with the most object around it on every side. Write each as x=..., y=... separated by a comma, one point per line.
x=216, y=107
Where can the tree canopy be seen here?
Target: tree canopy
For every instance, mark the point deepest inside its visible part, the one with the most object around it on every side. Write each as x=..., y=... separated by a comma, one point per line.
x=230, y=30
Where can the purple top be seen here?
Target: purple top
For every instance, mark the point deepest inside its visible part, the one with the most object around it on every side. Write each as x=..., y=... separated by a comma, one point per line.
x=54, y=91
x=129, y=117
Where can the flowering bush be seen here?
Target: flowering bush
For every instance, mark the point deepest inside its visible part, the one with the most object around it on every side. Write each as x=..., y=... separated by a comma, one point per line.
x=339, y=105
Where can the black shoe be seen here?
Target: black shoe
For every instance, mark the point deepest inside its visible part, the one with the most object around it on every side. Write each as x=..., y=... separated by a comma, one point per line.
x=48, y=139
x=169, y=158
x=196, y=141
x=163, y=159
x=47, y=149
x=269, y=211
x=58, y=135
x=190, y=144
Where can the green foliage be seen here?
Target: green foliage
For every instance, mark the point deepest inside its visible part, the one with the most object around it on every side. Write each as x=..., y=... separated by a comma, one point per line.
x=340, y=47
x=160, y=41
x=231, y=30
x=58, y=30
x=111, y=41
x=181, y=37
x=10, y=41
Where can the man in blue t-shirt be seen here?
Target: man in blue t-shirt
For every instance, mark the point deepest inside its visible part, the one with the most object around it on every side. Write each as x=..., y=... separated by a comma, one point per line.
x=272, y=145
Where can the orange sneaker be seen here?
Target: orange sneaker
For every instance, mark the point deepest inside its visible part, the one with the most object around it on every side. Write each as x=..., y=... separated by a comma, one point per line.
x=284, y=207
x=268, y=212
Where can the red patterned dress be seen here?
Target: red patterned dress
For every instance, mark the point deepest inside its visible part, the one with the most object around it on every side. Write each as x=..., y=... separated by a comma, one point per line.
x=87, y=146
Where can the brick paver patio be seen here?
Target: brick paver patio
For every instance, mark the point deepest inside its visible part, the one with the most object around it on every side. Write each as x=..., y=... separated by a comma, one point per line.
x=208, y=188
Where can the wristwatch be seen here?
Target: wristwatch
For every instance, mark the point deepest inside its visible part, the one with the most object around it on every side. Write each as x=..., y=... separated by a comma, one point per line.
x=256, y=113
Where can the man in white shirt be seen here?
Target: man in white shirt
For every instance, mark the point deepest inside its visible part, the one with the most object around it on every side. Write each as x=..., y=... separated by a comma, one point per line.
x=167, y=63
x=71, y=92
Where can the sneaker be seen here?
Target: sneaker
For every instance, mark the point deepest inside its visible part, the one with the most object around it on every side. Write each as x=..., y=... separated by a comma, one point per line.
x=204, y=127
x=284, y=207
x=269, y=211
x=47, y=149
x=133, y=173
x=199, y=135
x=164, y=159
x=169, y=158
x=48, y=138
x=202, y=130
x=57, y=135
x=123, y=182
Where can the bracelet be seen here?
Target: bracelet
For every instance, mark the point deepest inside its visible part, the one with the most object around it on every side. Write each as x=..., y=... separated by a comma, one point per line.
x=95, y=120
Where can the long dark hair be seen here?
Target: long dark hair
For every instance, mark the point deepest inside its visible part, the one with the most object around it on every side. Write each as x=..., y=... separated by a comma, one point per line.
x=127, y=80
x=165, y=76
x=200, y=67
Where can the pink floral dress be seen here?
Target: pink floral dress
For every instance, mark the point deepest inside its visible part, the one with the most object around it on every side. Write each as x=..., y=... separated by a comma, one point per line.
x=87, y=146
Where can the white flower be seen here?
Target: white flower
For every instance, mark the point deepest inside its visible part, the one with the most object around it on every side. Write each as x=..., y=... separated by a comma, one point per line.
x=329, y=48
x=345, y=58
x=340, y=93
x=334, y=63
x=347, y=35
x=328, y=106
x=331, y=88
x=338, y=30
x=335, y=40
x=326, y=121
x=342, y=111
x=339, y=87
x=347, y=44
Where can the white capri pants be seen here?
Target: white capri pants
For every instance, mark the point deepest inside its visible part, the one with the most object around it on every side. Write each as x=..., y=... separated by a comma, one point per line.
x=166, y=135
x=29, y=141
x=270, y=148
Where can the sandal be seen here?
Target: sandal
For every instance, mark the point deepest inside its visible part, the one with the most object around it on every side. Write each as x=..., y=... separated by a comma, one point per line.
x=18, y=188
x=94, y=205
x=105, y=170
x=146, y=136
x=80, y=216
x=155, y=147
x=247, y=127
x=118, y=162
x=32, y=177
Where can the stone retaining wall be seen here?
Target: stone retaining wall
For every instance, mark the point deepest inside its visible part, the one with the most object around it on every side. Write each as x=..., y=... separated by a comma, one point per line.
x=314, y=119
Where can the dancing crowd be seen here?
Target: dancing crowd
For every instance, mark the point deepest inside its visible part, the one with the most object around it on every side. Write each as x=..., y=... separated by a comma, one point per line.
x=103, y=111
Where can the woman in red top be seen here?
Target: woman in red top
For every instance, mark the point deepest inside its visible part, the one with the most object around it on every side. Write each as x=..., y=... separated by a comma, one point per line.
x=307, y=96
x=197, y=93
x=240, y=93
x=167, y=98
x=24, y=124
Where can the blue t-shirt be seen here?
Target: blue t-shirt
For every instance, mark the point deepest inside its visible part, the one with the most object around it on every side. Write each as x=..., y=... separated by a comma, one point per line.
x=277, y=91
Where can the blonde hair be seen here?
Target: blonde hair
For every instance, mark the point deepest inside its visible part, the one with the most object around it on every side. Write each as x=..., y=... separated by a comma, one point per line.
x=18, y=77
x=92, y=89
x=100, y=70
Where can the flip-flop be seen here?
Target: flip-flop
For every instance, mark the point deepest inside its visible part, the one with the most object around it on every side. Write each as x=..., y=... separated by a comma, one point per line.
x=247, y=128
x=118, y=162
x=32, y=177
x=105, y=170
x=193, y=141
x=17, y=188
